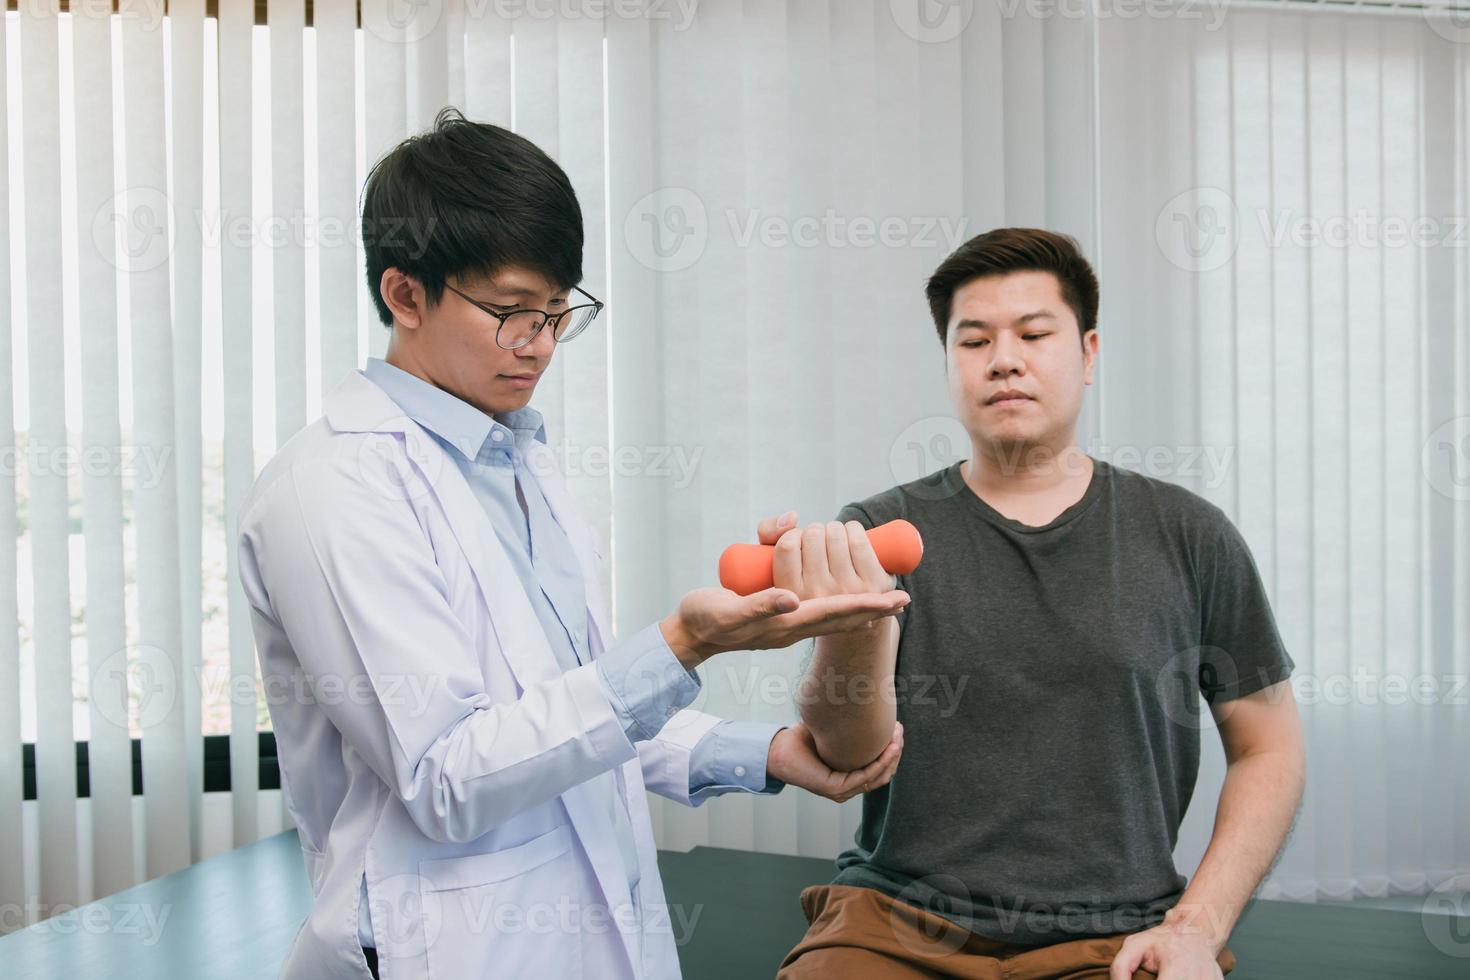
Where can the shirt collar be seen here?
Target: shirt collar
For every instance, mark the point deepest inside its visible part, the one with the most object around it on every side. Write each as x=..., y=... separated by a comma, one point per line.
x=463, y=426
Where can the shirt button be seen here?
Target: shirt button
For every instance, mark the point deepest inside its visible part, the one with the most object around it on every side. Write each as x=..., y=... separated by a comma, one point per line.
x=740, y=770
x=497, y=435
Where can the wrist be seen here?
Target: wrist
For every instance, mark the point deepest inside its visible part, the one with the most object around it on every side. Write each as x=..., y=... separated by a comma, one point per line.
x=775, y=765
x=685, y=646
x=1199, y=920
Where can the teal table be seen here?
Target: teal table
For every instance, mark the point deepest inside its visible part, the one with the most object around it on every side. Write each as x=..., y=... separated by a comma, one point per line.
x=232, y=917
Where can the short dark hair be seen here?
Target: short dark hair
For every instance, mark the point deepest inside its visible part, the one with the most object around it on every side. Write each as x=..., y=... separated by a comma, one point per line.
x=468, y=198
x=1004, y=250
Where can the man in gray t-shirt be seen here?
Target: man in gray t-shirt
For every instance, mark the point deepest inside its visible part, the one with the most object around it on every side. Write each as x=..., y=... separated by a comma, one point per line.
x=1066, y=619
x=1049, y=695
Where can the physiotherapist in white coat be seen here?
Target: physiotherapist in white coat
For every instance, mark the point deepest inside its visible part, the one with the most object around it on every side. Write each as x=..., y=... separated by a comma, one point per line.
x=463, y=745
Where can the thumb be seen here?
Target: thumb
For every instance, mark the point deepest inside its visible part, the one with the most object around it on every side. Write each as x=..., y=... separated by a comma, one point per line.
x=770, y=602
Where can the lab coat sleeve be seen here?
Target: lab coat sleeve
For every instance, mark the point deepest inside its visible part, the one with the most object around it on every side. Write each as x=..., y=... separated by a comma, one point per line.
x=731, y=757
x=351, y=578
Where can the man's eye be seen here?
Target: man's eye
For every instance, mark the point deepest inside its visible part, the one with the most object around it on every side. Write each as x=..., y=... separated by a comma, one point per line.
x=506, y=309
x=1036, y=335
x=972, y=343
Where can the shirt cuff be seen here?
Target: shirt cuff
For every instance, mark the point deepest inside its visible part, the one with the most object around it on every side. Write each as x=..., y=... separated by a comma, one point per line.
x=645, y=682
x=732, y=756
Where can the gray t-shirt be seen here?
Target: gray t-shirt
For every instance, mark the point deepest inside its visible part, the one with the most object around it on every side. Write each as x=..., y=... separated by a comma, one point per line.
x=1048, y=683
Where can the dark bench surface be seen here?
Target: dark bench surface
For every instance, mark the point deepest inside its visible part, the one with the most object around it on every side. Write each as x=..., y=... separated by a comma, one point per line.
x=233, y=916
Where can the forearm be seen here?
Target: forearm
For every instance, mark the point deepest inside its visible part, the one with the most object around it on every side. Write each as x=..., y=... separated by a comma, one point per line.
x=846, y=698
x=1257, y=806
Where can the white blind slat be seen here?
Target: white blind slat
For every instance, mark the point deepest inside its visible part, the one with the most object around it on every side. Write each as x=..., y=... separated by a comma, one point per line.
x=155, y=506
x=109, y=752
x=47, y=506
x=236, y=151
x=12, y=844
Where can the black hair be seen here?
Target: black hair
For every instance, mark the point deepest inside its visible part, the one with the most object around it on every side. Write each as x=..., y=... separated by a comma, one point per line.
x=468, y=198
x=1004, y=250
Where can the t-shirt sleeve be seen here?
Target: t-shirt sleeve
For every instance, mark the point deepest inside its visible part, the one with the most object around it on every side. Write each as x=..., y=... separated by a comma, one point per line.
x=1241, y=647
x=859, y=513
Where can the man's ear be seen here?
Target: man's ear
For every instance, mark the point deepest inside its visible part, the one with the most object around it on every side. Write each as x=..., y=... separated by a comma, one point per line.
x=404, y=295
x=1089, y=353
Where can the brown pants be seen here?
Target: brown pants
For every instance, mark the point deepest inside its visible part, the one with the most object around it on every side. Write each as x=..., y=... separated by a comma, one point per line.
x=859, y=932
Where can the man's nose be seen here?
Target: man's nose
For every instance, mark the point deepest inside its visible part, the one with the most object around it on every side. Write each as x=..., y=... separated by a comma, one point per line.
x=541, y=345
x=1006, y=358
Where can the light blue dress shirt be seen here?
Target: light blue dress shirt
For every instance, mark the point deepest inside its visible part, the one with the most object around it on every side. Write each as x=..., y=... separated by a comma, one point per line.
x=491, y=452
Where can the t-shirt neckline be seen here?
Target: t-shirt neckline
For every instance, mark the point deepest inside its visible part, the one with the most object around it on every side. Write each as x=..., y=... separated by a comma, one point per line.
x=1100, y=471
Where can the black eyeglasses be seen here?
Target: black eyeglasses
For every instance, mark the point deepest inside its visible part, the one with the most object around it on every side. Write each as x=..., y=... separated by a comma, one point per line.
x=519, y=327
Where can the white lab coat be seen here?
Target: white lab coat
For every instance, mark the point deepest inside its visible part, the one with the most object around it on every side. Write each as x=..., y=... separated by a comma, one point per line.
x=458, y=778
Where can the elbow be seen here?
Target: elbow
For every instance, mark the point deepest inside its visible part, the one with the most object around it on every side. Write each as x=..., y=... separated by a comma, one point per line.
x=848, y=749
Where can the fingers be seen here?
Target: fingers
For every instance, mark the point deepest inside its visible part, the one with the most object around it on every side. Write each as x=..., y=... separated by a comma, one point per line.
x=864, y=559
x=770, y=529
x=786, y=562
x=839, y=613
x=768, y=603
x=875, y=774
x=839, y=561
x=816, y=576
x=878, y=772
x=1129, y=958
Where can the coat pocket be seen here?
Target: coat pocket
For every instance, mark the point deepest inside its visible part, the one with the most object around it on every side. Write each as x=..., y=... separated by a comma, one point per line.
x=510, y=913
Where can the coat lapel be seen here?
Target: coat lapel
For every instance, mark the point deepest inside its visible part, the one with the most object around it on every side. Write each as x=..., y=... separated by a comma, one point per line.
x=358, y=405
x=542, y=462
